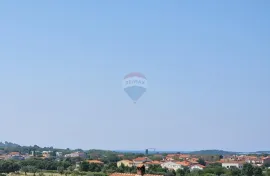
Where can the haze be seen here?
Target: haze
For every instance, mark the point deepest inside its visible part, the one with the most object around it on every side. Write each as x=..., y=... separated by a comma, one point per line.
x=206, y=62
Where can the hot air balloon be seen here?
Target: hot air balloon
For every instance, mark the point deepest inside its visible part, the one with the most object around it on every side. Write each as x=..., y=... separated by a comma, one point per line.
x=135, y=84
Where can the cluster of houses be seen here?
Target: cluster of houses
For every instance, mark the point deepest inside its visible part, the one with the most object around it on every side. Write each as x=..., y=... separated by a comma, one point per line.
x=239, y=160
x=168, y=162
x=179, y=161
x=171, y=161
x=43, y=154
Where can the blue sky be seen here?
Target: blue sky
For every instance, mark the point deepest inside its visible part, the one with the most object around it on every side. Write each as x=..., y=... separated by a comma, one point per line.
x=207, y=65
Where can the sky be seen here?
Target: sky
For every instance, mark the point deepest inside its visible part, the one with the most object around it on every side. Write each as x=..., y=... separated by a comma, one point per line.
x=207, y=64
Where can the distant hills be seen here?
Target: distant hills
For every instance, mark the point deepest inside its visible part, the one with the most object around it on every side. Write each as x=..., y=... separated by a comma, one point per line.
x=213, y=152
x=200, y=152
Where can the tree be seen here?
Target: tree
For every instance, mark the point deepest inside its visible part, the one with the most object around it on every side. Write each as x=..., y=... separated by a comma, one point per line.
x=201, y=161
x=84, y=166
x=25, y=169
x=186, y=170
x=93, y=167
x=257, y=171
x=32, y=169
x=234, y=171
x=195, y=172
x=60, y=169
x=8, y=166
x=247, y=169
x=71, y=168
x=180, y=172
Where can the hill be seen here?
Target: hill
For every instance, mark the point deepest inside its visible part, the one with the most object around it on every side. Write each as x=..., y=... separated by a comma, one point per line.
x=212, y=152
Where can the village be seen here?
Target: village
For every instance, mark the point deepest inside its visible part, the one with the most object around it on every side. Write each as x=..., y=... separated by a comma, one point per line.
x=172, y=163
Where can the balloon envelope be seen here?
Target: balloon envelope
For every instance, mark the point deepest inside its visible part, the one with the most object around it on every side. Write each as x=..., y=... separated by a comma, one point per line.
x=135, y=84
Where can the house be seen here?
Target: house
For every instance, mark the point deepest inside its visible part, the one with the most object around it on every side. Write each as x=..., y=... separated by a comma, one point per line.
x=231, y=164
x=95, y=162
x=127, y=163
x=197, y=166
x=171, y=165
x=266, y=160
x=184, y=163
x=193, y=160
x=14, y=154
x=46, y=154
x=16, y=157
x=59, y=154
x=184, y=156
x=141, y=160
x=75, y=155
x=140, y=172
x=257, y=160
x=147, y=164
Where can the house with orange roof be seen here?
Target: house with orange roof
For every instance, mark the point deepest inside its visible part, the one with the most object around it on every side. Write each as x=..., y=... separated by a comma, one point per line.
x=147, y=164
x=184, y=163
x=193, y=160
x=184, y=156
x=14, y=154
x=141, y=160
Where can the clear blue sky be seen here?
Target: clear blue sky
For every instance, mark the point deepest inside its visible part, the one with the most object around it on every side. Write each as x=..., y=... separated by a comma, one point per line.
x=207, y=65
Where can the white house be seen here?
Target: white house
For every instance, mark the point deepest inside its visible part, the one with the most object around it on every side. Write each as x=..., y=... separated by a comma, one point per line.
x=76, y=154
x=233, y=164
x=197, y=166
x=171, y=165
x=59, y=154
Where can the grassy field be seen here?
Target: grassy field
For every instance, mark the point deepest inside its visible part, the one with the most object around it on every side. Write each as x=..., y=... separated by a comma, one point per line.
x=37, y=174
x=57, y=174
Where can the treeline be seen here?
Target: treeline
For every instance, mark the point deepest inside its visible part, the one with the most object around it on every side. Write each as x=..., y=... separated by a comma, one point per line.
x=76, y=166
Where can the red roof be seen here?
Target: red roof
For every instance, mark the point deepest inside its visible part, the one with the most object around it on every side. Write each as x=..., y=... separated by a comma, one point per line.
x=140, y=159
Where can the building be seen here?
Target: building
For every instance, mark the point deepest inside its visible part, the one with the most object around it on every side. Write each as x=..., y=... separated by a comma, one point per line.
x=184, y=163
x=16, y=157
x=127, y=163
x=59, y=154
x=46, y=154
x=171, y=165
x=140, y=172
x=197, y=166
x=140, y=160
x=266, y=160
x=14, y=154
x=75, y=155
x=232, y=164
x=147, y=164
